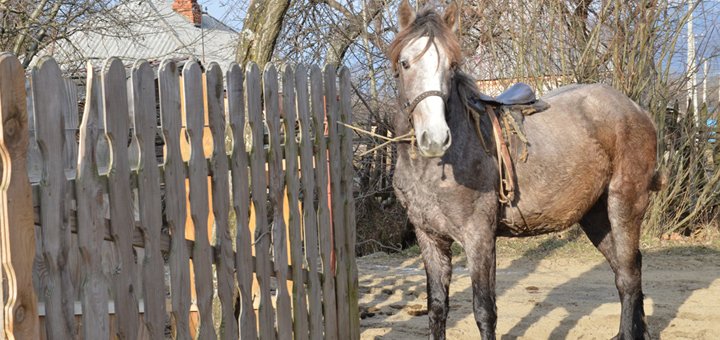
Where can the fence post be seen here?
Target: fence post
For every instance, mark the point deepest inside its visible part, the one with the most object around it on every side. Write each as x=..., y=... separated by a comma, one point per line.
x=17, y=233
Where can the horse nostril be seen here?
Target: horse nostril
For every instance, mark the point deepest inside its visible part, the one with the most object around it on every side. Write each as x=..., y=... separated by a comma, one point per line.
x=423, y=142
x=448, y=140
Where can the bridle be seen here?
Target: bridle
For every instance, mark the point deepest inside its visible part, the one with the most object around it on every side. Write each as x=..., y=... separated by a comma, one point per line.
x=409, y=106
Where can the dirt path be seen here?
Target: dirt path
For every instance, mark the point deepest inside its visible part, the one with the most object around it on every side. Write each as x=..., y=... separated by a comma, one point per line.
x=550, y=289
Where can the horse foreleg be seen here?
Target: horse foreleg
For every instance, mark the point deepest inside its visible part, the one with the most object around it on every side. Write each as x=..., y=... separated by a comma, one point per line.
x=480, y=250
x=437, y=257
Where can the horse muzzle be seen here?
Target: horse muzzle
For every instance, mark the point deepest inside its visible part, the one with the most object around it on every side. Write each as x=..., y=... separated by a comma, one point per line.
x=434, y=143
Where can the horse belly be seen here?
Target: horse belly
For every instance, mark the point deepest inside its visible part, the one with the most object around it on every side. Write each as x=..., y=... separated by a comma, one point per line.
x=557, y=185
x=549, y=213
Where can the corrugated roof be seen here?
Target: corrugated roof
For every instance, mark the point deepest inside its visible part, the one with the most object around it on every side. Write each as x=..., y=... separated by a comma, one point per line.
x=154, y=32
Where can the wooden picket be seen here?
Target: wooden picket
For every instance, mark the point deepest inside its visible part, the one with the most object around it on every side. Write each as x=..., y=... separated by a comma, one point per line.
x=262, y=236
x=276, y=183
x=149, y=197
x=89, y=193
x=132, y=277
x=221, y=200
x=115, y=109
x=175, y=204
x=17, y=235
x=241, y=201
x=299, y=300
x=317, y=98
x=197, y=172
x=336, y=206
x=309, y=213
x=348, y=201
x=49, y=94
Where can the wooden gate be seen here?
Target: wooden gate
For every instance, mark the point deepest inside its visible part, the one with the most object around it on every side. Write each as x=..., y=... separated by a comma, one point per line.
x=107, y=254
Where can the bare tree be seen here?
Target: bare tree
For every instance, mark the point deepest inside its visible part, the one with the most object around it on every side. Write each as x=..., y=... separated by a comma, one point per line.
x=27, y=27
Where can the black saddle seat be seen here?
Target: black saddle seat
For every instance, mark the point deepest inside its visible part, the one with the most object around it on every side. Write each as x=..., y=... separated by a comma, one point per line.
x=517, y=94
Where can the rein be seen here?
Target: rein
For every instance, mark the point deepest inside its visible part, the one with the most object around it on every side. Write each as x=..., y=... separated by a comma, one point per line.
x=406, y=138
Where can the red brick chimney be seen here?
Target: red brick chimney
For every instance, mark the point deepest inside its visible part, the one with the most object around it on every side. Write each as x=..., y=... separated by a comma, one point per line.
x=190, y=9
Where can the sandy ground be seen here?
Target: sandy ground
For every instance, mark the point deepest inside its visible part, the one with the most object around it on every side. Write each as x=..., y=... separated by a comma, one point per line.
x=550, y=289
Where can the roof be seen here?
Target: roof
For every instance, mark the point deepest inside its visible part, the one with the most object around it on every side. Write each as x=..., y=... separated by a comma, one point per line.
x=153, y=32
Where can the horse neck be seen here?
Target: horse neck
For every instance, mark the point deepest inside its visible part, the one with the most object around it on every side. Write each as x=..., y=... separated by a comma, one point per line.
x=462, y=121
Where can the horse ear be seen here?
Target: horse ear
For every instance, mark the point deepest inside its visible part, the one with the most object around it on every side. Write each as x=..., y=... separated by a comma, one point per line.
x=406, y=14
x=451, y=16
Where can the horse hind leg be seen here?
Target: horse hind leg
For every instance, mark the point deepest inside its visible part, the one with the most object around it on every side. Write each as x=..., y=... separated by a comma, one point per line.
x=437, y=257
x=613, y=226
x=626, y=208
x=596, y=225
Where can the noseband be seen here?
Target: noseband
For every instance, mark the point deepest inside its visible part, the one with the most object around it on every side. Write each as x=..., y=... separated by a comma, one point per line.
x=410, y=105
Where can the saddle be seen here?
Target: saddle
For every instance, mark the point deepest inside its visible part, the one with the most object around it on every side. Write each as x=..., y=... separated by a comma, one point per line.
x=510, y=107
x=519, y=97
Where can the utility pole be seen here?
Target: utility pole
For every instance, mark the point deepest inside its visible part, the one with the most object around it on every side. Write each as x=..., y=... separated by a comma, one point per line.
x=706, y=68
x=691, y=64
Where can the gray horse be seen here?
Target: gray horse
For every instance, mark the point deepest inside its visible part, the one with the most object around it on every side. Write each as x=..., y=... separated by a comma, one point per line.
x=591, y=160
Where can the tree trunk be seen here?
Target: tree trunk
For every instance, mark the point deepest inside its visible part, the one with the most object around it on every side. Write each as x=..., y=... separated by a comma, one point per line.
x=260, y=31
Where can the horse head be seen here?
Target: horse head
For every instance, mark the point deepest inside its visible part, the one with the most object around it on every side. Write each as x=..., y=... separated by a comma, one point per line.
x=424, y=55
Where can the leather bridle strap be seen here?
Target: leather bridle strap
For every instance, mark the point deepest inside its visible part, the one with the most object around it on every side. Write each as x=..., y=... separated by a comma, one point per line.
x=410, y=106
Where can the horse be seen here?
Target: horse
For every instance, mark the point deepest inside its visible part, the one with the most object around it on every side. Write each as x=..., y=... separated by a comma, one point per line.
x=591, y=160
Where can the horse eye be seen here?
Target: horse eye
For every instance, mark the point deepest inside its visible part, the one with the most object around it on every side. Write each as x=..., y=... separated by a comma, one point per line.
x=404, y=64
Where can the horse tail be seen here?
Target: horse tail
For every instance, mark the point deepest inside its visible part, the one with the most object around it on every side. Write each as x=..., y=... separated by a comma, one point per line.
x=658, y=182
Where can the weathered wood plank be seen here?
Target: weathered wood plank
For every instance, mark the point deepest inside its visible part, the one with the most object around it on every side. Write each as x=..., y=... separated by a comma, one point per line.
x=49, y=96
x=277, y=186
x=346, y=150
x=115, y=104
x=259, y=197
x=297, y=258
x=331, y=105
x=309, y=214
x=149, y=198
x=90, y=219
x=175, y=205
x=199, y=205
x=71, y=120
x=17, y=234
x=221, y=201
x=241, y=201
x=324, y=224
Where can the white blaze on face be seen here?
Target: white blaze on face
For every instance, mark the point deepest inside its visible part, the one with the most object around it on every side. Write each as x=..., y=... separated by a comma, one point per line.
x=427, y=73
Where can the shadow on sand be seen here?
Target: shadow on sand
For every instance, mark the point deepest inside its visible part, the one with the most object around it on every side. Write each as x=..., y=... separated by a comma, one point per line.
x=666, y=288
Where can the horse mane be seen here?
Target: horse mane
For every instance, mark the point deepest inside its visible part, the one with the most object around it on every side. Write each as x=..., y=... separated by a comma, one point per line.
x=427, y=23
x=463, y=90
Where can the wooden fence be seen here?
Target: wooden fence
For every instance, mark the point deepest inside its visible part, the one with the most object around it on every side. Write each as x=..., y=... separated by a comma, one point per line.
x=97, y=249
